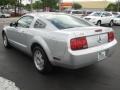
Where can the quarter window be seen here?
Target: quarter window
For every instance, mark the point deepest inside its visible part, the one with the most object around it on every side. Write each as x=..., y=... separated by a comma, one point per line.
x=39, y=24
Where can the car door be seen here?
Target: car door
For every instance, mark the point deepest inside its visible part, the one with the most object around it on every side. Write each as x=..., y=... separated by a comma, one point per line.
x=104, y=18
x=18, y=34
x=109, y=17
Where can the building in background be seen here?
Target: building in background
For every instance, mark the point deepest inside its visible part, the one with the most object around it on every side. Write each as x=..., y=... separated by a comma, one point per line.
x=88, y=5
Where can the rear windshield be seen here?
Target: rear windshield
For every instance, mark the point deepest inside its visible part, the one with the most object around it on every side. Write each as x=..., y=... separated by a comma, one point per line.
x=67, y=21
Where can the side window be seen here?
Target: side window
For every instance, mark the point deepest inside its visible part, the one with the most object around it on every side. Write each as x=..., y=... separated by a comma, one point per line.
x=25, y=21
x=107, y=14
x=104, y=15
x=39, y=24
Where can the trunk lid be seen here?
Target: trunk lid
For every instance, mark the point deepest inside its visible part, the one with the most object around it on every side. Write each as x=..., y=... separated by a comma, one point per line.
x=94, y=35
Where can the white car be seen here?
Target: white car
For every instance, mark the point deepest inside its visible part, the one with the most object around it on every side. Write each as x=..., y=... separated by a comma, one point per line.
x=117, y=20
x=4, y=15
x=59, y=39
x=100, y=18
x=79, y=13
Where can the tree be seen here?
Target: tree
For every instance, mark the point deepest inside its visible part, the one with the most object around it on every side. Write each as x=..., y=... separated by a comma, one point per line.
x=3, y=2
x=76, y=6
x=113, y=7
x=52, y=4
x=28, y=7
x=37, y=5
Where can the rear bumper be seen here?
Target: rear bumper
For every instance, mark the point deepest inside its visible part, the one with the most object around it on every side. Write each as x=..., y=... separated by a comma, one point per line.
x=82, y=58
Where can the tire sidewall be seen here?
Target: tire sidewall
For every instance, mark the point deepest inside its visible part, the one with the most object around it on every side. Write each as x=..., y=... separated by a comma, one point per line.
x=47, y=66
x=7, y=45
x=99, y=23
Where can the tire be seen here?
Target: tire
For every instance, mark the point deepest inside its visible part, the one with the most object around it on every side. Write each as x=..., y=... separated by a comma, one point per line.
x=111, y=23
x=99, y=23
x=41, y=60
x=5, y=41
x=2, y=16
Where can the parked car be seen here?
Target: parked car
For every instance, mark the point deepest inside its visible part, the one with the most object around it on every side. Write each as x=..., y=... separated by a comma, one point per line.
x=4, y=15
x=100, y=18
x=117, y=20
x=79, y=13
x=115, y=14
x=59, y=39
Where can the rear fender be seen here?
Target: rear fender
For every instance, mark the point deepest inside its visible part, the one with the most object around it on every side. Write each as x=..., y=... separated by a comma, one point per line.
x=43, y=44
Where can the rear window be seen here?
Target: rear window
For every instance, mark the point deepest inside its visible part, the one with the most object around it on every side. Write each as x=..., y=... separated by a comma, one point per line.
x=67, y=21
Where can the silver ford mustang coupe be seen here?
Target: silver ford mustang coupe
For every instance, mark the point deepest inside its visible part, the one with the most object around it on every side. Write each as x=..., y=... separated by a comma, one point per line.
x=57, y=39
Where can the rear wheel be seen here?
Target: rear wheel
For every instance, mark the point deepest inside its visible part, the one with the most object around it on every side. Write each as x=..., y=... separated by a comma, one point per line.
x=111, y=23
x=5, y=41
x=41, y=61
x=99, y=23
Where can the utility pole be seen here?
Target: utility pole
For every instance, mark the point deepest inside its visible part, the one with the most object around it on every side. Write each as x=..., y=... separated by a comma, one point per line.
x=31, y=5
x=60, y=4
x=118, y=6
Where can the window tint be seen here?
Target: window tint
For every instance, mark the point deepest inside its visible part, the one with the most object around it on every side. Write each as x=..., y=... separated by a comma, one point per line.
x=39, y=24
x=66, y=21
x=25, y=21
x=96, y=14
x=107, y=14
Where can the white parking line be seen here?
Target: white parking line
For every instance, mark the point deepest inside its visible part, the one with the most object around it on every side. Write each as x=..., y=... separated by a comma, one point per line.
x=7, y=84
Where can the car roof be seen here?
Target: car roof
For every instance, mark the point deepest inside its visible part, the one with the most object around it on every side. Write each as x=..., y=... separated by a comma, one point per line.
x=45, y=14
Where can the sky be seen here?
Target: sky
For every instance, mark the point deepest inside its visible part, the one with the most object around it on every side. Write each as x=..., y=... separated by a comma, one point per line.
x=28, y=1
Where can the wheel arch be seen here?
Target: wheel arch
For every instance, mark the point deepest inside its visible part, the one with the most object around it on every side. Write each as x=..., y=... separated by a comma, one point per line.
x=44, y=47
x=3, y=32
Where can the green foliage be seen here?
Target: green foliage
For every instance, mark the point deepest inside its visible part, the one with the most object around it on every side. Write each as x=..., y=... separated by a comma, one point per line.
x=113, y=7
x=37, y=5
x=76, y=6
x=50, y=3
x=28, y=7
x=5, y=2
x=41, y=4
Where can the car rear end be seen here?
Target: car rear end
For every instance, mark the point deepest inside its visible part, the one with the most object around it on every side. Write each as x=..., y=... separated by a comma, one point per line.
x=87, y=46
x=117, y=20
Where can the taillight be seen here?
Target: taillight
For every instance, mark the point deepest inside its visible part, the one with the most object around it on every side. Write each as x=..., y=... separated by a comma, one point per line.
x=78, y=43
x=110, y=36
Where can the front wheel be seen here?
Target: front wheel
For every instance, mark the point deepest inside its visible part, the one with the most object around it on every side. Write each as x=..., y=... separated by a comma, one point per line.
x=5, y=41
x=41, y=60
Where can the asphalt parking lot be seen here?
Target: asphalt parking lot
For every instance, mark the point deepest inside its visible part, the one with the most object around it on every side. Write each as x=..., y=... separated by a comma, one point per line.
x=16, y=66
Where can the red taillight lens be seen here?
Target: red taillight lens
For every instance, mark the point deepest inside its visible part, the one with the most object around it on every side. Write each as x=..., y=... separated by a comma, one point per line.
x=78, y=43
x=110, y=36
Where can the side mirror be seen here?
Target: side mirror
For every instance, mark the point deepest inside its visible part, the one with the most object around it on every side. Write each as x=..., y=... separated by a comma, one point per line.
x=11, y=24
x=14, y=24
